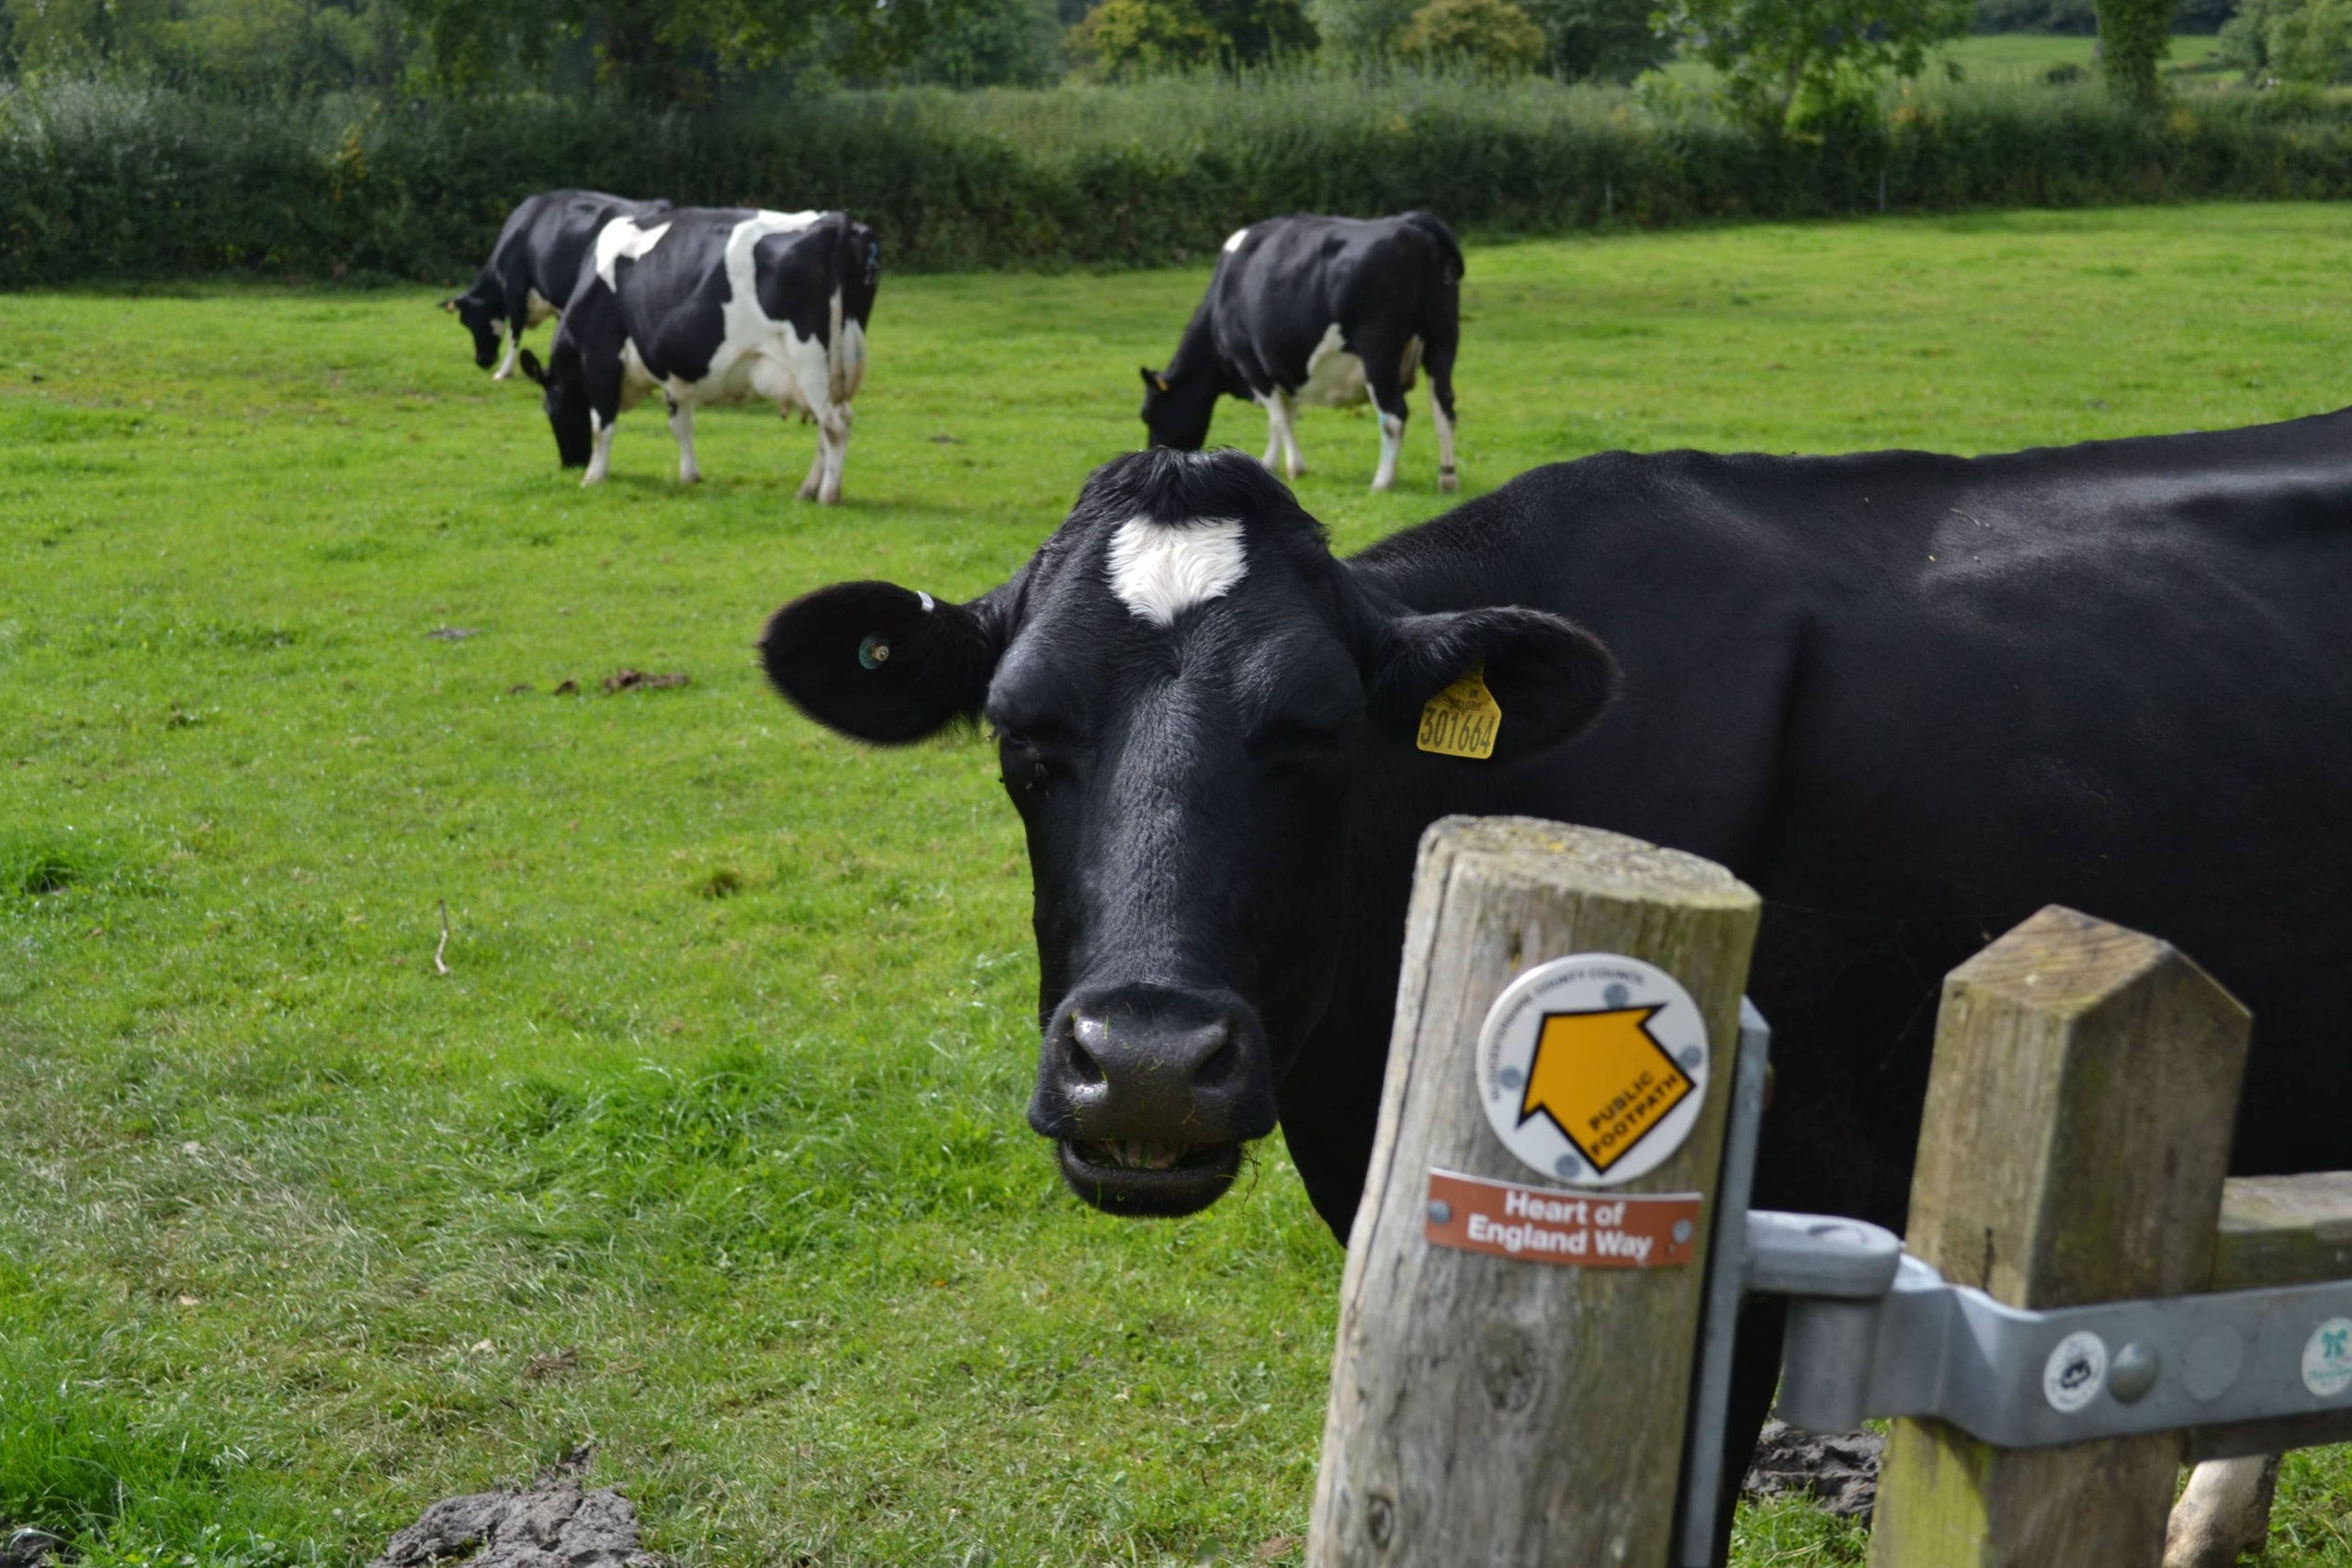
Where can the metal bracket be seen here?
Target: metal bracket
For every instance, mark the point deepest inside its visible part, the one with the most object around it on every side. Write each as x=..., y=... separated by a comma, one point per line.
x=1874, y=1332
x=1702, y=1443
x=2024, y=1379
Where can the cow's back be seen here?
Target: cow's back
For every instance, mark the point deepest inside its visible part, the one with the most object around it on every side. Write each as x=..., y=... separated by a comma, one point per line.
x=1912, y=698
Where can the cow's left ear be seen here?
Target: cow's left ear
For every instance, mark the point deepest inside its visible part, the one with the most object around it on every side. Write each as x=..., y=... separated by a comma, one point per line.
x=880, y=662
x=1550, y=677
x=450, y=304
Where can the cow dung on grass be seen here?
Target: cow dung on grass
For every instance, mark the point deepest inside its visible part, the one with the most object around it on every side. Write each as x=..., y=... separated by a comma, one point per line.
x=553, y=1525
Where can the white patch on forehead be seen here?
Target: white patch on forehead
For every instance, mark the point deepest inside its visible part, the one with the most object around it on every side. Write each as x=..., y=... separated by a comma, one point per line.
x=1233, y=242
x=620, y=238
x=1161, y=570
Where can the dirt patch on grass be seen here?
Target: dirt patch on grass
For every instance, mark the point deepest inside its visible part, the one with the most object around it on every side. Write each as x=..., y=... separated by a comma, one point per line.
x=1837, y=1470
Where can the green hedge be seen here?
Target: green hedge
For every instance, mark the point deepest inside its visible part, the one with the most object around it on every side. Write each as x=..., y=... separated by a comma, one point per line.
x=114, y=180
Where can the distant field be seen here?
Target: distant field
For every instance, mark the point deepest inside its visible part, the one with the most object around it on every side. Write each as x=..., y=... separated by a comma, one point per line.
x=2023, y=57
x=709, y=1148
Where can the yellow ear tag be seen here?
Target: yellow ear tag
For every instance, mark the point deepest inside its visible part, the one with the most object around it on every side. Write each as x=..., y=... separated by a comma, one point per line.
x=1460, y=721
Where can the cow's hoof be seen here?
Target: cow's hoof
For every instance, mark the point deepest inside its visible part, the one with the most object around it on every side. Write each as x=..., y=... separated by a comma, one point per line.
x=1149, y=1181
x=1381, y=487
x=1448, y=484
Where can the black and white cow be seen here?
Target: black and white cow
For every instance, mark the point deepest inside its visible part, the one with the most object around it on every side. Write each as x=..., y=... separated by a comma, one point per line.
x=715, y=304
x=1909, y=698
x=1328, y=310
x=532, y=269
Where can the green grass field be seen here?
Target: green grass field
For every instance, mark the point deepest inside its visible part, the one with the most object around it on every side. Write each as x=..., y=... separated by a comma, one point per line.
x=709, y=1148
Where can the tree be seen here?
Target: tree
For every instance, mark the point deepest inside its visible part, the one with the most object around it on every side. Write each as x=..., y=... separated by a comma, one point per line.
x=2133, y=38
x=1609, y=40
x=670, y=51
x=1781, y=59
x=2308, y=42
x=1491, y=35
x=1138, y=38
x=993, y=44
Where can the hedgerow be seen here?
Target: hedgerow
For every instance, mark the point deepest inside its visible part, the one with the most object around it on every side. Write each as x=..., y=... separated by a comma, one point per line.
x=122, y=180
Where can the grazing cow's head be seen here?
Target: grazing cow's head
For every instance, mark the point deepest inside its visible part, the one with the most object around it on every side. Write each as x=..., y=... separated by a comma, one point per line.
x=481, y=319
x=1189, y=694
x=1178, y=406
x=563, y=387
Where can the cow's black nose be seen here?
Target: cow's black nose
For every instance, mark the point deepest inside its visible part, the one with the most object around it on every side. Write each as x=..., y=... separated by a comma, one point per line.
x=1172, y=1067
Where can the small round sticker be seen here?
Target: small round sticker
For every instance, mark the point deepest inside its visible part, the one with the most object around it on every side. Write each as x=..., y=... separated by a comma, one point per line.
x=2074, y=1372
x=1592, y=1069
x=2327, y=1358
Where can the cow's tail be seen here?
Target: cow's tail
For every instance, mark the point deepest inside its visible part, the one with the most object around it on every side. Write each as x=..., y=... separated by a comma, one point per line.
x=1449, y=248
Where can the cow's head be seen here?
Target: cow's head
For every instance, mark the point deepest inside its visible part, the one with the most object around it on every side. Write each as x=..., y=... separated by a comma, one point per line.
x=563, y=392
x=481, y=319
x=1192, y=699
x=1178, y=406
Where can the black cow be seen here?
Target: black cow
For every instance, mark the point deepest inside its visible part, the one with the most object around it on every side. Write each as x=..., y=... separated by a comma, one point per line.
x=531, y=270
x=715, y=304
x=1909, y=698
x=1331, y=311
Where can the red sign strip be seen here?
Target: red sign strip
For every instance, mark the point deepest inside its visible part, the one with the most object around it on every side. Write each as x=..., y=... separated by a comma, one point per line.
x=1548, y=1224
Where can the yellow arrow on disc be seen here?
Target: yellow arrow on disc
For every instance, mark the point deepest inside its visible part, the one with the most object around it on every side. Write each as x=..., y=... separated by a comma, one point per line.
x=1603, y=1079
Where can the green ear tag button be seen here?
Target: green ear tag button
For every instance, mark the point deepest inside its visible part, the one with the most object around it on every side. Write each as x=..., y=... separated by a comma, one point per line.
x=1460, y=721
x=874, y=652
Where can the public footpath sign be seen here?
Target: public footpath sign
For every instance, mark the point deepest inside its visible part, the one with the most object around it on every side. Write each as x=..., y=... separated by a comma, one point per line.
x=1592, y=1069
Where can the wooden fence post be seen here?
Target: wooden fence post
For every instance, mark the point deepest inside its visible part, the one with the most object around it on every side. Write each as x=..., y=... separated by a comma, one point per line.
x=2078, y=1131
x=1498, y=1411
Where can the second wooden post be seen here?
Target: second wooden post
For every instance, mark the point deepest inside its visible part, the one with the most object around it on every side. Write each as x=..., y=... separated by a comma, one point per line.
x=1501, y=1408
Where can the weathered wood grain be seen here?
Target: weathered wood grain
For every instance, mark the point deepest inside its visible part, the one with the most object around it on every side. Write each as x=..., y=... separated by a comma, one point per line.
x=1494, y=1411
x=2076, y=1134
x=2284, y=1230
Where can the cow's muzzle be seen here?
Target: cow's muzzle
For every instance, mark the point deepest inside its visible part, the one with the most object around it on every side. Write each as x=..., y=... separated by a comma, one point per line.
x=1151, y=1092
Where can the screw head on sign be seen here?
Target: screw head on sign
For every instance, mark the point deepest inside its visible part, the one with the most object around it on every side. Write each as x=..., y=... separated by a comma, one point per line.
x=1684, y=1232
x=1440, y=1211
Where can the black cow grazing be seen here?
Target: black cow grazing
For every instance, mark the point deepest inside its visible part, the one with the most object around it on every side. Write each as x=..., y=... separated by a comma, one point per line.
x=715, y=304
x=532, y=269
x=1328, y=310
x=1909, y=698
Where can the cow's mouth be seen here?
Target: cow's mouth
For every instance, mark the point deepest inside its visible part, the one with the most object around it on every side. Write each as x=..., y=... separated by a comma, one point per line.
x=1149, y=1179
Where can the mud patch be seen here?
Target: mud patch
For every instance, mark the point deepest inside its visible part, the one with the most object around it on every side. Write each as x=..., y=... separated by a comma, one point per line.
x=29, y=1548
x=1837, y=1470
x=553, y=1525
x=642, y=681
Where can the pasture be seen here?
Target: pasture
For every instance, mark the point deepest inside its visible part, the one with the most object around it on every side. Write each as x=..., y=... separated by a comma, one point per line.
x=709, y=1147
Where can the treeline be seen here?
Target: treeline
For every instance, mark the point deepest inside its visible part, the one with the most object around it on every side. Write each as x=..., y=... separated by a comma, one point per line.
x=116, y=180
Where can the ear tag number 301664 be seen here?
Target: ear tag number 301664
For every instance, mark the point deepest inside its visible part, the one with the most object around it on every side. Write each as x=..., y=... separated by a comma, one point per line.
x=1460, y=721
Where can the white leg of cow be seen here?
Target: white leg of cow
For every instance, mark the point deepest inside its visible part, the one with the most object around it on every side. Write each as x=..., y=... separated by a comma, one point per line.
x=2224, y=1512
x=681, y=425
x=816, y=479
x=506, y=366
x=1295, y=464
x=1274, y=407
x=1392, y=443
x=1447, y=477
x=833, y=431
x=599, y=458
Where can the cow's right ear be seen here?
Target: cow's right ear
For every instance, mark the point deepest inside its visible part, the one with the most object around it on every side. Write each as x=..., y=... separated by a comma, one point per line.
x=532, y=367
x=450, y=304
x=881, y=662
x=1153, y=381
